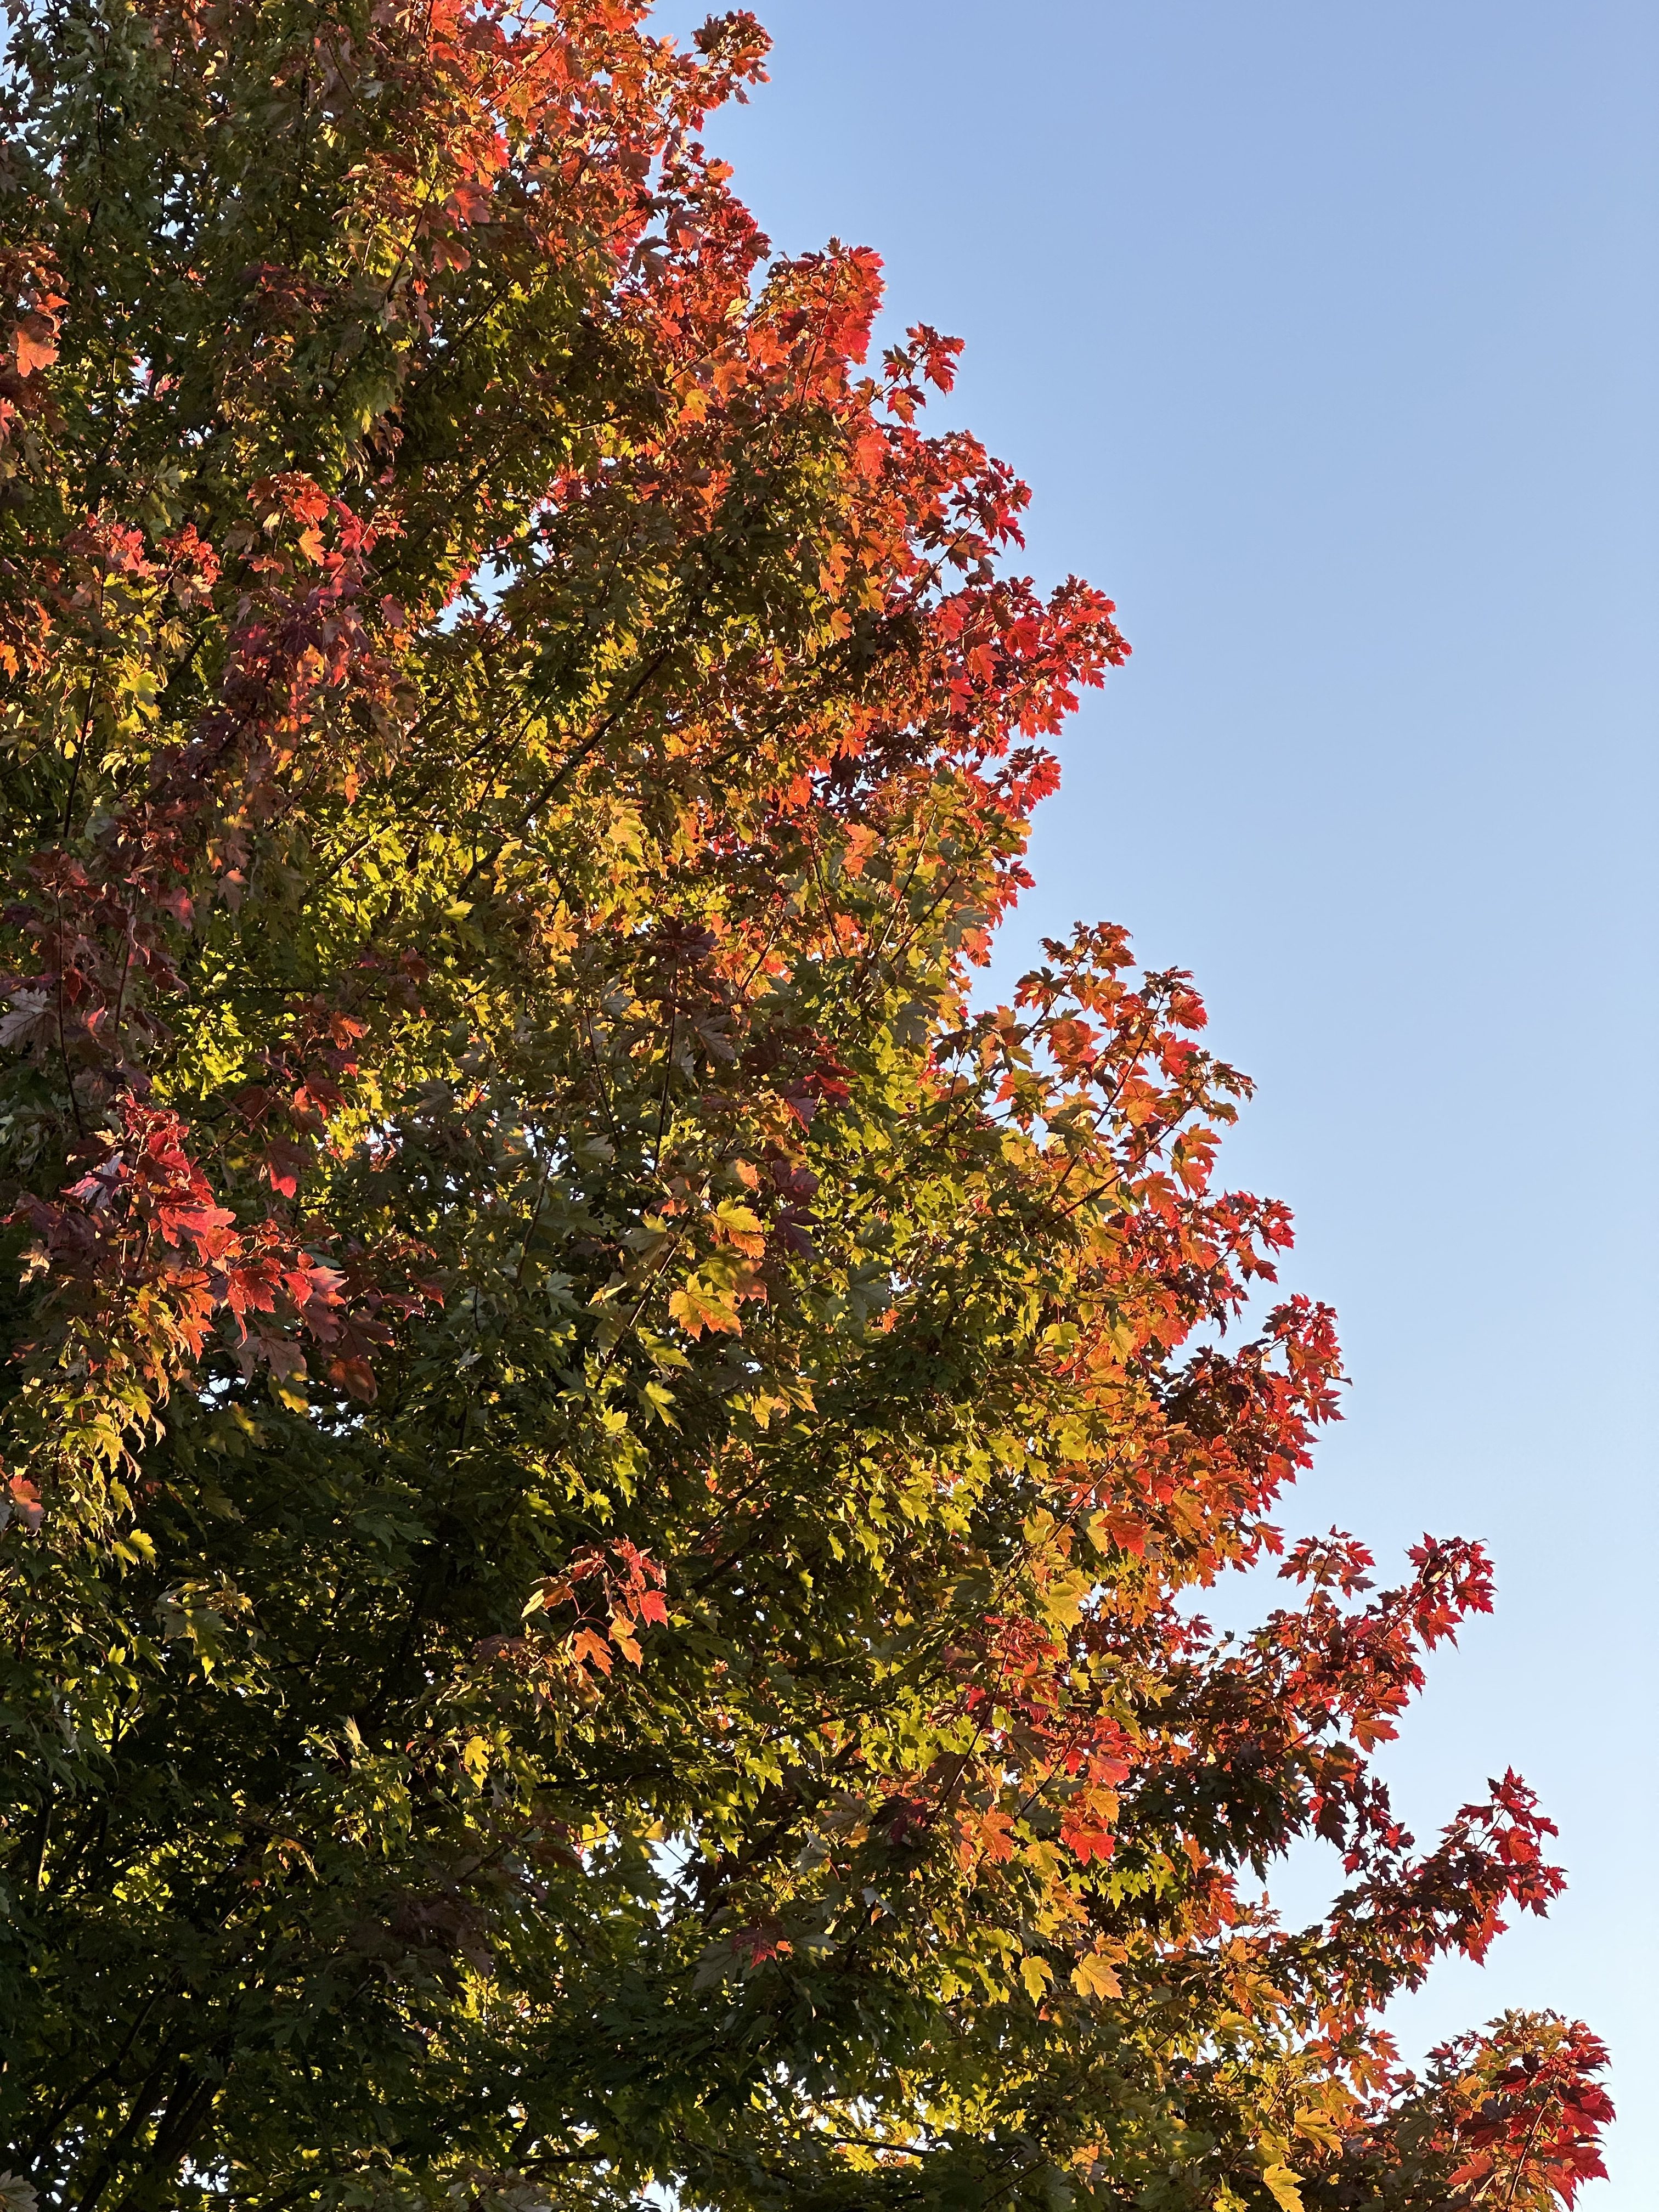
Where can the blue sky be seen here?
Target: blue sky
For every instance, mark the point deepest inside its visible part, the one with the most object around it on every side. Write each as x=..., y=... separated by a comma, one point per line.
x=1325, y=335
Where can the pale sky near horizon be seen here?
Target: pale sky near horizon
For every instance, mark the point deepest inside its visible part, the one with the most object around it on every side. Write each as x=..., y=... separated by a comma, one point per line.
x=1325, y=335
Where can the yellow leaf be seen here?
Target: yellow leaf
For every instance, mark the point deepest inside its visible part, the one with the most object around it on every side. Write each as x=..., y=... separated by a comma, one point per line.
x=1062, y=1599
x=696, y=1310
x=1319, y=2129
x=1095, y=1979
x=1037, y=1974
x=1280, y=2182
x=1038, y=1528
x=743, y=1227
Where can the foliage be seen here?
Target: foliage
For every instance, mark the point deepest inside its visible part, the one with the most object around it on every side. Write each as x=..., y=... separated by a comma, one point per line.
x=603, y=1478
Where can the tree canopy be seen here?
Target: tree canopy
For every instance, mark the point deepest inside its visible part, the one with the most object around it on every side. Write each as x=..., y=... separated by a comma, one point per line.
x=605, y=1473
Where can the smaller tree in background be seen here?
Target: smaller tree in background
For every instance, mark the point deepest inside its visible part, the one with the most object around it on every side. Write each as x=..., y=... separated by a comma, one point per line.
x=601, y=1477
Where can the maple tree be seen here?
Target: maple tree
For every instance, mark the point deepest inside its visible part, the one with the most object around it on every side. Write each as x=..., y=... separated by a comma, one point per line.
x=601, y=1474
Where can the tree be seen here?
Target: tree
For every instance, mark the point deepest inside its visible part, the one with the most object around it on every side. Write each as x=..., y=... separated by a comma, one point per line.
x=601, y=1471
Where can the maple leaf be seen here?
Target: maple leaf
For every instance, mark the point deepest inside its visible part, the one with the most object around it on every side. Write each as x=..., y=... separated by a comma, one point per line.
x=30, y=1019
x=1037, y=1974
x=284, y=1163
x=1283, y=2184
x=34, y=344
x=1093, y=1977
x=696, y=1309
x=354, y=1376
x=588, y=1644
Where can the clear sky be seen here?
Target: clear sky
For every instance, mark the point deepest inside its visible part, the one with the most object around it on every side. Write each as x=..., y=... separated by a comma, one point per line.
x=1325, y=334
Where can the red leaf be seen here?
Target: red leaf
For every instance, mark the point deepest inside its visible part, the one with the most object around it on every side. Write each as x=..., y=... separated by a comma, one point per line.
x=355, y=1376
